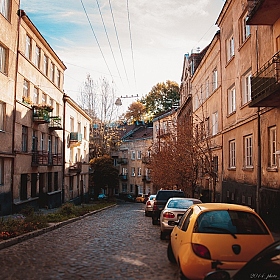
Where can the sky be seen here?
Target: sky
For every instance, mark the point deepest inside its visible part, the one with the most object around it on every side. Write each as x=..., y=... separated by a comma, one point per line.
x=134, y=44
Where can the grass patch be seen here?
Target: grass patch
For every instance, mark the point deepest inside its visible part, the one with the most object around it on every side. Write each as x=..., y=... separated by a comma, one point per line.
x=28, y=220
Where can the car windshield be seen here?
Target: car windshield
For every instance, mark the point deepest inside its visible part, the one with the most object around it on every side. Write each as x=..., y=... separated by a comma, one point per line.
x=165, y=195
x=152, y=197
x=179, y=204
x=227, y=221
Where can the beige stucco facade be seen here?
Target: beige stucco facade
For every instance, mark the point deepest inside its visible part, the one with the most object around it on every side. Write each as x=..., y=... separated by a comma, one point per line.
x=77, y=128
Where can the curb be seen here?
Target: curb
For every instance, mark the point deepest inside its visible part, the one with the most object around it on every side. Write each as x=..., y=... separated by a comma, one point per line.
x=15, y=240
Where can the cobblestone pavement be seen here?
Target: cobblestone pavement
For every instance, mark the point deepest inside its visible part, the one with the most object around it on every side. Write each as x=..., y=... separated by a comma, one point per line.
x=117, y=243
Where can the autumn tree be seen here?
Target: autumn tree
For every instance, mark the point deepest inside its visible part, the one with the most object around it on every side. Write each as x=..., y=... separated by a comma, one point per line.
x=105, y=175
x=162, y=97
x=135, y=112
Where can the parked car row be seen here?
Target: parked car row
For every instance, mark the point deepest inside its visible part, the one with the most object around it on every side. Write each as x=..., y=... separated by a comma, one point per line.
x=211, y=241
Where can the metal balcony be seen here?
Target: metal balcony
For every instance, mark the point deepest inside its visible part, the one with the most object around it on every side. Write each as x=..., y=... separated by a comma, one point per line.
x=41, y=114
x=75, y=168
x=263, y=12
x=75, y=138
x=122, y=161
x=123, y=177
x=55, y=123
x=46, y=158
x=265, y=84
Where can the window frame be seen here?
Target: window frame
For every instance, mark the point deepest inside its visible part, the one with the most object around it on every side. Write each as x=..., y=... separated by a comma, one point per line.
x=2, y=115
x=214, y=123
x=28, y=46
x=133, y=172
x=5, y=9
x=230, y=47
x=272, y=143
x=246, y=87
x=231, y=100
x=3, y=59
x=37, y=56
x=214, y=79
x=232, y=154
x=248, y=151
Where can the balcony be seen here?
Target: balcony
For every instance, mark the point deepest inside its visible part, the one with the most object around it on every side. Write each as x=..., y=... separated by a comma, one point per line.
x=123, y=177
x=146, y=178
x=75, y=138
x=75, y=168
x=263, y=12
x=265, y=84
x=41, y=113
x=55, y=123
x=46, y=158
x=122, y=161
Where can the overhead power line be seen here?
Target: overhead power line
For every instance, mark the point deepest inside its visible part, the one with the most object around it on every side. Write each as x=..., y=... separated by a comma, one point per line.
x=96, y=39
x=131, y=46
x=118, y=42
x=109, y=40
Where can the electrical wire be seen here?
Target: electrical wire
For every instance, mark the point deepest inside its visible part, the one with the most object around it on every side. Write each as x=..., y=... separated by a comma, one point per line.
x=118, y=42
x=109, y=40
x=96, y=39
x=131, y=46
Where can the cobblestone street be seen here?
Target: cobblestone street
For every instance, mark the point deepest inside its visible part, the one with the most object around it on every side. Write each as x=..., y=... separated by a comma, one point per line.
x=117, y=243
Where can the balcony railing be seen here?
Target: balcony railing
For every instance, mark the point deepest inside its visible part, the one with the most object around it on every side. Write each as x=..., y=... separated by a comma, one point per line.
x=122, y=161
x=75, y=138
x=76, y=167
x=123, y=177
x=263, y=12
x=265, y=84
x=41, y=114
x=55, y=123
x=46, y=158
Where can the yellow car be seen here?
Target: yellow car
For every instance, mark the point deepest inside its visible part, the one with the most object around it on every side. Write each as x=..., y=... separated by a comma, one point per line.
x=140, y=198
x=214, y=236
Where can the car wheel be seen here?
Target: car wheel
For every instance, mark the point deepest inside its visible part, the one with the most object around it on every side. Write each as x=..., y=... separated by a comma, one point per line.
x=182, y=276
x=146, y=213
x=170, y=254
x=154, y=221
x=163, y=235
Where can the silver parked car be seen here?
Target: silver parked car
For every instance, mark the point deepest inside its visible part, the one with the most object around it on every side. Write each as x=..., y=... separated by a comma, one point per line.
x=149, y=205
x=172, y=212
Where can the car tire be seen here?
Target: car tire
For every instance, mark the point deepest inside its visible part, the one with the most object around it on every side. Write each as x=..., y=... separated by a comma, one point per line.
x=154, y=221
x=162, y=235
x=146, y=213
x=170, y=254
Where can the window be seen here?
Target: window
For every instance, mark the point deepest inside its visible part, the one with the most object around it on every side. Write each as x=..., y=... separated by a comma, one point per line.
x=139, y=171
x=25, y=88
x=28, y=47
x=1, y=171
x=37, y=57
x=34, y=141
x=55, y=181
x=215, y=123
x=58, y=77
x=52, y=72
x=124, y=171
x=42, y=142
x=85, y=132
x=45, y=70
x=24, y=139
x=248, y=146
x=35, y=95
x=232, y=154
x=245, y=29
x=207, y=88
x=3, y=58
x=56, y=139
x=133, y=171
x=133, y=155
x=215, y=164
x=246, y=87
x=230, y=48
x=272, y=147
x=4, y=8
x=231, y=100
x=215, y=79
x=139, y=154
x=2, y=115
x=44, y=98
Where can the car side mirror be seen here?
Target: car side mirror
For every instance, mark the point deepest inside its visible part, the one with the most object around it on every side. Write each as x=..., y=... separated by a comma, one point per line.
x=219, y=274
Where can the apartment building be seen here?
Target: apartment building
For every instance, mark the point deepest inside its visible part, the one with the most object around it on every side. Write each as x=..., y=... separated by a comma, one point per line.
x=8, y=60
x=76, y=152
x=38, y=168
x=245, y=129
x=133, y=159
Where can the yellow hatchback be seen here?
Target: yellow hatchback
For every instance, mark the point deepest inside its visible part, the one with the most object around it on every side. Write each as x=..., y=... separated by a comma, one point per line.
x=214, y=236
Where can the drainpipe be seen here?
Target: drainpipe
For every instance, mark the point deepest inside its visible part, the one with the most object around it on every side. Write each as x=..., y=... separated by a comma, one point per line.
x=259, y=174
x=20, y=14
x=63, y=149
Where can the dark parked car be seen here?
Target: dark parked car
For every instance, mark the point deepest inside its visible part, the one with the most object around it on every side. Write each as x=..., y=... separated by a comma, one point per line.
x=161, y=200
x=265, y=265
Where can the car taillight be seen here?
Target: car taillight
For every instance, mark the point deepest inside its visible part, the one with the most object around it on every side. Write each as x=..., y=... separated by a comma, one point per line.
x=148, y=202
x=168, y=215
x=155, y=207
x=201, y=251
